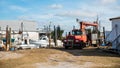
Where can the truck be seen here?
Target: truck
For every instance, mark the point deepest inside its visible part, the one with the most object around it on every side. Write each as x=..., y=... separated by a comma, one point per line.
x=79, y=37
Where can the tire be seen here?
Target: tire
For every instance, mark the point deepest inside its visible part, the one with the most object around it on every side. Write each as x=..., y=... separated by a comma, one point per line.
x=82, y=45
x=66, y=47
x=95, y=45
x=20, y=48
x=119, y=52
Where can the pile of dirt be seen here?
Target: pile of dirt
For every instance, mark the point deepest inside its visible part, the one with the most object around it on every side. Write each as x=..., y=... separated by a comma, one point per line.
x=59, y=58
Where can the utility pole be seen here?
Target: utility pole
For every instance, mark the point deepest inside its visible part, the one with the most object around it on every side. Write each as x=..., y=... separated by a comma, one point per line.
x=1, y=33
x=73, y=27
x=66, y=34
x=22, y=30
x=47, y=31
x=99, y=25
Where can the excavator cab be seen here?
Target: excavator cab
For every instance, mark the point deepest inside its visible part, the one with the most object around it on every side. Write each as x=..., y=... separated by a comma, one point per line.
x=77, y=32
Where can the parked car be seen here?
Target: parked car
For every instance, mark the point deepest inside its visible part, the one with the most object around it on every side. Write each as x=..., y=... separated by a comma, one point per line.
x=25, y=45
x=42, y=42
x=60, y=43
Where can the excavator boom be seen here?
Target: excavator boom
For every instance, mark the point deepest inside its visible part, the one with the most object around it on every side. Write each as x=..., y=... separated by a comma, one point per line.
x=83, y=25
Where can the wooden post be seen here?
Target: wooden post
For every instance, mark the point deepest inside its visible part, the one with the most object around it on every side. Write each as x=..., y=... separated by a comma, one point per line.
x=49, y=36
x=49, y=40
x=22, y=30
x=55, y=31
x=7, y=46
x=9, y=37
x=104, y=34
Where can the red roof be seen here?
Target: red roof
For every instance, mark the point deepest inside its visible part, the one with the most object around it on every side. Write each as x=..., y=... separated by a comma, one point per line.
x=114, y=18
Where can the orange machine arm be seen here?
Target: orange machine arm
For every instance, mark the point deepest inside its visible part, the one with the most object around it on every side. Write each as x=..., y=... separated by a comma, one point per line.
x=83, y=25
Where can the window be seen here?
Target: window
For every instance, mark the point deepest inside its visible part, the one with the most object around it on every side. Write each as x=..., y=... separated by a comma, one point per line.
x=44, y=38
x=76, y=32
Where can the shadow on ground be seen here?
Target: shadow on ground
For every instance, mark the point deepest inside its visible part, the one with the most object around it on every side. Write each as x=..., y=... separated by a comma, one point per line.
x=92, y=51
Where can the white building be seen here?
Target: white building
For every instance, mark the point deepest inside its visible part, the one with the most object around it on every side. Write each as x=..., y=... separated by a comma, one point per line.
x=29, y=28
x=115, y=33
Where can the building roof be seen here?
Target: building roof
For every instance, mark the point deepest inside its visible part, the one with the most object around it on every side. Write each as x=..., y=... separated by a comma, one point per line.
x=114, y=18
x=16, y=25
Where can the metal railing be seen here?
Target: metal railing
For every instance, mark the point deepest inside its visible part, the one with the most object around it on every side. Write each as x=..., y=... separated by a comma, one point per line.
x=110, y=32
x=116, y=42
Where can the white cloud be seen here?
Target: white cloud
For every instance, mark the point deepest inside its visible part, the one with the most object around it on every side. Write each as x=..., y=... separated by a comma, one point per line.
x=18, y=8
x=36, y=16
x=56, y=6
x=77, y=13
x=117, y=8
x=108, y=1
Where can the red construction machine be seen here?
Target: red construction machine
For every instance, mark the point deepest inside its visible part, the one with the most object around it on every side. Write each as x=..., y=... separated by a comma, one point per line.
x=81, y=37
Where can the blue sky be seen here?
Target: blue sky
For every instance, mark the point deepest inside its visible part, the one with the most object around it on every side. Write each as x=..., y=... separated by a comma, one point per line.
x=60, y=12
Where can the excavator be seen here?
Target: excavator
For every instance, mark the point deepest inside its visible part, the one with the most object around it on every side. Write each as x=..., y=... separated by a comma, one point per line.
x=81, y=37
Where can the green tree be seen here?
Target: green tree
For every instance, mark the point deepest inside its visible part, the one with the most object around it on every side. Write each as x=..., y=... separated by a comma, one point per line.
x=59, y=33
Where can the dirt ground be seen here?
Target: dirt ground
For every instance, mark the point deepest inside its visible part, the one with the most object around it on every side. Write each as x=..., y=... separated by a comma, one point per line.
x=59, y=58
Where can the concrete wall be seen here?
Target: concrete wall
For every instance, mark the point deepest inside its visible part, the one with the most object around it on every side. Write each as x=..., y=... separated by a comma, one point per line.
x=33, y=35
x=30, y=35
